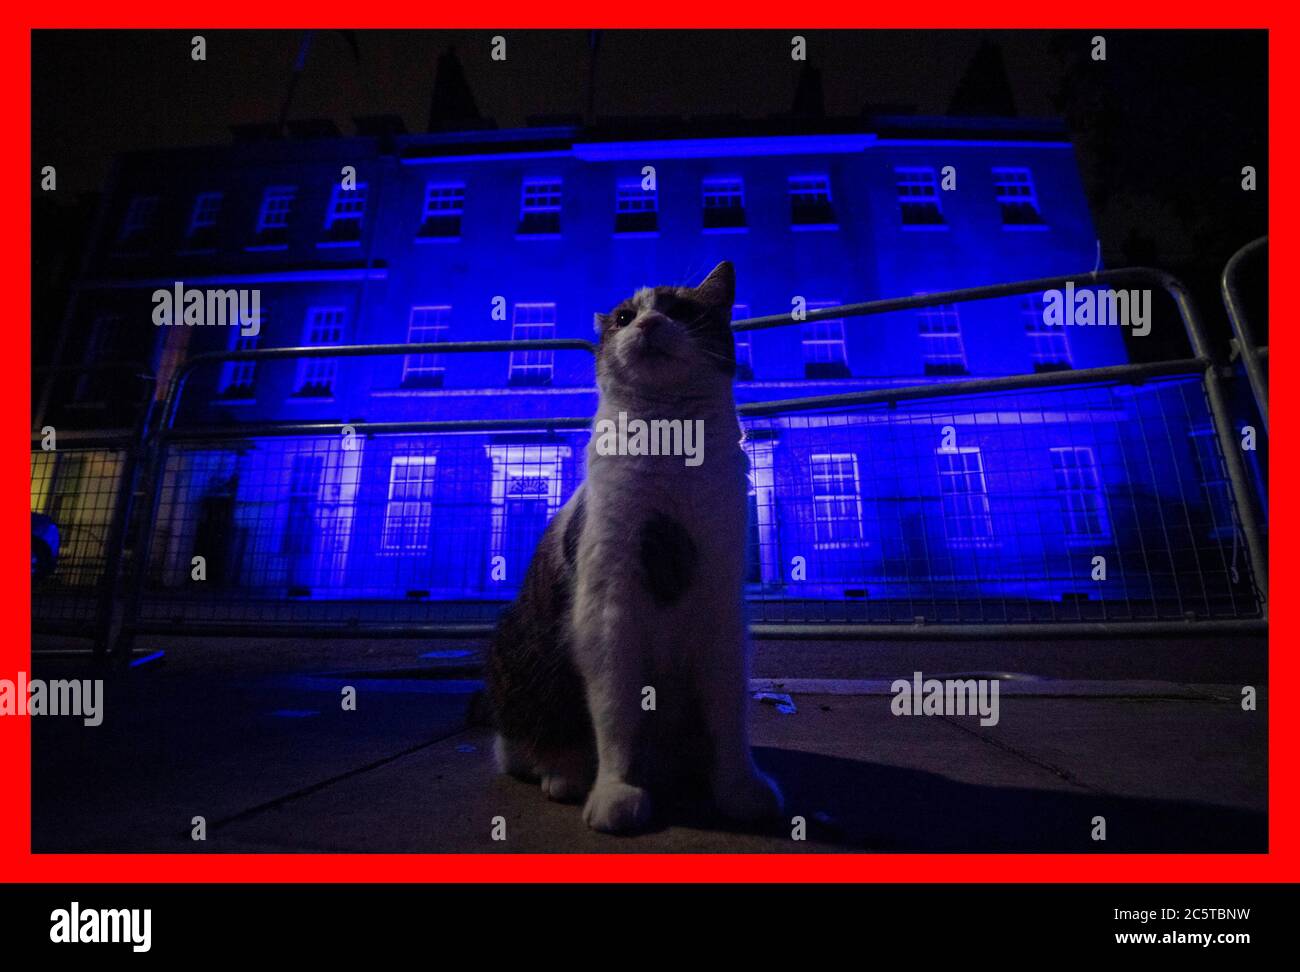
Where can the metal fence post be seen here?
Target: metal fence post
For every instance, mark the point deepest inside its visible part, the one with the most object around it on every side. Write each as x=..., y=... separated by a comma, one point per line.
x=164, y=448
x=1230, y=445
x=1243, y=334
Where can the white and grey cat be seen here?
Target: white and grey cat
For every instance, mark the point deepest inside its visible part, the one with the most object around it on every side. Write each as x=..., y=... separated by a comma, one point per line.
x=637, y=584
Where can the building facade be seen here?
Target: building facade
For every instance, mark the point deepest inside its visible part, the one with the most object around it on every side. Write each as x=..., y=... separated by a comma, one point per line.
x=919, y=505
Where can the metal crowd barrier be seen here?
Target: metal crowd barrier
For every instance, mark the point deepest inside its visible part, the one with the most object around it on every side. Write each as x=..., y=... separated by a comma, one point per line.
x=83, y=480
x=1254, y=357
x=297, y=545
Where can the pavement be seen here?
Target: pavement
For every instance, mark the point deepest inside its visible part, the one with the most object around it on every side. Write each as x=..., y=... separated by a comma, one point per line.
x=251, y=736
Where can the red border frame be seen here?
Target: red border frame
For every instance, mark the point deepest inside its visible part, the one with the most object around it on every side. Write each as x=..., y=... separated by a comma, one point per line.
x=18, y=864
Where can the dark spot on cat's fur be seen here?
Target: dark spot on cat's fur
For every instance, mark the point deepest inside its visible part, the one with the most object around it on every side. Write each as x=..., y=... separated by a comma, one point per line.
x=667, y=559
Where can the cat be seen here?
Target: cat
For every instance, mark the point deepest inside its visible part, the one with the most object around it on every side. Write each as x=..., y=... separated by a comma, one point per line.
x=621, y=668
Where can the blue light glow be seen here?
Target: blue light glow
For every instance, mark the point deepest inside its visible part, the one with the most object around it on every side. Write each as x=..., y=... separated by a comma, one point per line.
x=928, y=502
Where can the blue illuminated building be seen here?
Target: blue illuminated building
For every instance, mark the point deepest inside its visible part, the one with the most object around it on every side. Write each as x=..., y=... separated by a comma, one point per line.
x=499, y=234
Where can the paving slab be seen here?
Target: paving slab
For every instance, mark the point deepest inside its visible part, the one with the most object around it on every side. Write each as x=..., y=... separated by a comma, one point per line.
x=253, y=737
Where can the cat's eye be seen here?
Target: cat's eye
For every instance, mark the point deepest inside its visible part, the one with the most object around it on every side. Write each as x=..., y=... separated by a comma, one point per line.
x=623, y=318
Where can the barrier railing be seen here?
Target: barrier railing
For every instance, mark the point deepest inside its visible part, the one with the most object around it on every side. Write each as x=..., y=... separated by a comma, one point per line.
x=84, y=481
x=1032, y=503
x=1061, y=502
x=1253, y=356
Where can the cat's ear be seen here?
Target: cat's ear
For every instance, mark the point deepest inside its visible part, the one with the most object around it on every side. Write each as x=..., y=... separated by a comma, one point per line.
x=718, y=289
x=599, y=322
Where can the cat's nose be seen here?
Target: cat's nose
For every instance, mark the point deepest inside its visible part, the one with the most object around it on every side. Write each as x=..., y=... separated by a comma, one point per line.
x=649, y=322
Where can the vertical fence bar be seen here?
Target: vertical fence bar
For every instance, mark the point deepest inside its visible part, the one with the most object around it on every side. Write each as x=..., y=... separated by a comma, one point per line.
x=131, y=446
x=158, y=442
x=1243, y=333
x=1221, y=415
x=159, y=438
x=111, y=614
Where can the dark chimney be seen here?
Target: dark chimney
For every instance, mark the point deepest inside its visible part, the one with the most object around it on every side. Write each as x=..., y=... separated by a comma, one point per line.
x=452, y=106
x=808, y=99
x=984, y=89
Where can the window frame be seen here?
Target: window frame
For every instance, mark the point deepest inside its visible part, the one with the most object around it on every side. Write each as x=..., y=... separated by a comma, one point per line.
x=422, y=532
x=347, y=208
x=197, y=230
x=825, y=207
x=1043, y=336
x=807, y=338
x=437, y=369
x=1010, y=201
x=641, y=220
x=322, y=372
x=271, y=231
x=523, y=362
x=543, y=214
x=1068, y=490
x=909, y=177
x=430, y=214
x=233, y=372
x=138, y=227
x=941, y=364
x=984, y=514
x=735, y=218
x=854, y=516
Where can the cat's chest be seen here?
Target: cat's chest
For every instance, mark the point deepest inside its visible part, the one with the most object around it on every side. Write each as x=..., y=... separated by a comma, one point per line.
x=675, y=534
x=692, y=475
x=666, y=483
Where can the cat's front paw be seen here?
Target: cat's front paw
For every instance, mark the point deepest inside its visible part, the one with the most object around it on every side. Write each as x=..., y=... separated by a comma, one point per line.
x=752, y=798
x=564, y=788
x=615, y=807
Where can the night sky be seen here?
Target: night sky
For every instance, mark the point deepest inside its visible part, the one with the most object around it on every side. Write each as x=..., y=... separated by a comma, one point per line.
x=1162, y=127
x=99, y=93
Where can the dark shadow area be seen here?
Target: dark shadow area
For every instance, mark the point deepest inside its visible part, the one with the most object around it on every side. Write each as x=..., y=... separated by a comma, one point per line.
x=866, y=806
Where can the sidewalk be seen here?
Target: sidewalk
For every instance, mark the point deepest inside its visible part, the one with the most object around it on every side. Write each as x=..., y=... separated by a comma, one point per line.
x=252, y=737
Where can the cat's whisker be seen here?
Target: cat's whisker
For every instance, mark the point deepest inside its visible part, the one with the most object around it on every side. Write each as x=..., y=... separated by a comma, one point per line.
x=714, y=354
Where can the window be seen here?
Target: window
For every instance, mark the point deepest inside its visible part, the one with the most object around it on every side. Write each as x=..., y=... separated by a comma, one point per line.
x=302, y=517
x=836, y=499
x=539, y=210
x=444, y=204
x=427, y=325
x=273, y=217
x=73, y=485
x=810, y=202
x=316, y=375
x=238, y=378
x=533, y=322
x=102, y=343
x=139, y=222
x=824, y=354
x=1016, y=196
x=1049, y=346
x=202, y=231
x=724, y=204
x=636, y=210
x=1079, y=489
x=408, y=514
x=526, y=487
x=918, y=197
x=963, y=494
x=744, y=350
x=343, y=219
x=942, y=347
